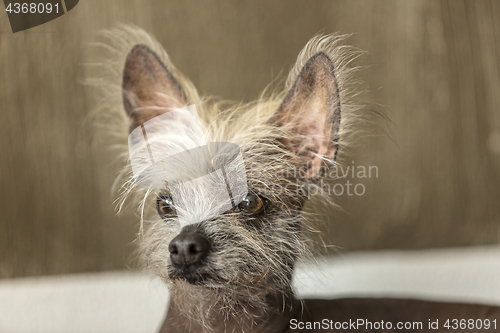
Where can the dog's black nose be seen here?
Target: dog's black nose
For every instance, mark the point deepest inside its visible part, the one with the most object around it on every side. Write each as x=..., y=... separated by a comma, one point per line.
x=188, y=249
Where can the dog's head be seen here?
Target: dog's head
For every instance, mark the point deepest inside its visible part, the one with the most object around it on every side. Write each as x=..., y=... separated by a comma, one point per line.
x=246, y=249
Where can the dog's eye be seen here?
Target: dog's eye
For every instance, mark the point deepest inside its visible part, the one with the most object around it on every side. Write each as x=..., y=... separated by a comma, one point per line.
x=252, y=204
x=164, y=204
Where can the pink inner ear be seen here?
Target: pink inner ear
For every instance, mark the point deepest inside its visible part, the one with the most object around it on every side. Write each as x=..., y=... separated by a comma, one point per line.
x=310, y=114
x=313, y=128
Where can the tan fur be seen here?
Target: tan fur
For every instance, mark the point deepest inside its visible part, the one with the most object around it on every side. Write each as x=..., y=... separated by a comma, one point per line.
x=247, y=125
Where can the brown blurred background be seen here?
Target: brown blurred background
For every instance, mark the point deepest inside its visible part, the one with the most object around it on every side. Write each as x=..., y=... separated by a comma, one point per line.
x=433, y=66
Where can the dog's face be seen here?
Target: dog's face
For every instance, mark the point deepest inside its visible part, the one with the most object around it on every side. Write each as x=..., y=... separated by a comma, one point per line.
x=286, y=143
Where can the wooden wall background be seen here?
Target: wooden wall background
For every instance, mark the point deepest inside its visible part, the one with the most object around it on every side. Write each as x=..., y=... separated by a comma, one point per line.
x=434, y=67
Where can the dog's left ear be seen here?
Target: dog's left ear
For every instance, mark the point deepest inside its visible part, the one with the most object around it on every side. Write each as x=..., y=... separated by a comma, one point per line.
x=310, y=116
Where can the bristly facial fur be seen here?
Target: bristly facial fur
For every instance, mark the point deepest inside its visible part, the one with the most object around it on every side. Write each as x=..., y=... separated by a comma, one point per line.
x=288, y=140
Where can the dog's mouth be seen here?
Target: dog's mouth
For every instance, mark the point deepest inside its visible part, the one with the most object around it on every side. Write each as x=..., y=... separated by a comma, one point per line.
x=194, y=279
x=195, y=276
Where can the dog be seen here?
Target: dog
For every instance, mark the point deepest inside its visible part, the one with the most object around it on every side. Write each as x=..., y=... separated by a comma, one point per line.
x=221, y=190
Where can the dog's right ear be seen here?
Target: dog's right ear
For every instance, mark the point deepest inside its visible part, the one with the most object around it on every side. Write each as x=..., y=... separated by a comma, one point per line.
x=148, y=88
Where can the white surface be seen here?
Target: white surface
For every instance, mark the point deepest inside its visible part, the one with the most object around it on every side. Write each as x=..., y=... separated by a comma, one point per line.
x=134, y=302
x=464, y=274
x=90, y=303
